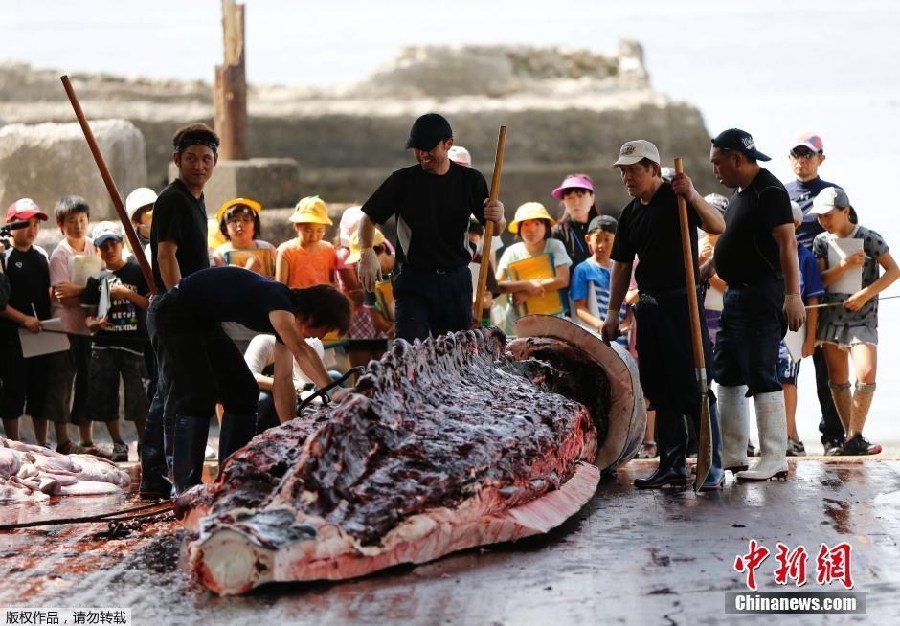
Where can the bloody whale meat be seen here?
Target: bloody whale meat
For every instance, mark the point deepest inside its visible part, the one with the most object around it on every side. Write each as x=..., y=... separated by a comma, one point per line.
x=448, y=444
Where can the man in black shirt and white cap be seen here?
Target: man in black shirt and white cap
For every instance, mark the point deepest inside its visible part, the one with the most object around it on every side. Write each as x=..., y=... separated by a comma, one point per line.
x=432, y=202
x=649, y=228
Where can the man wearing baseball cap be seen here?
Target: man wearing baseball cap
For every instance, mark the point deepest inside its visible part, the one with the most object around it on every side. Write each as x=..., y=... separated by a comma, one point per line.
x=432, y=202
x=757, y=257
x=649, y=228
x=806, y=156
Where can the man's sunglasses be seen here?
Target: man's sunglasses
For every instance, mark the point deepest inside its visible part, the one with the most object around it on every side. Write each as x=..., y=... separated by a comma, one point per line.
x=804, y=153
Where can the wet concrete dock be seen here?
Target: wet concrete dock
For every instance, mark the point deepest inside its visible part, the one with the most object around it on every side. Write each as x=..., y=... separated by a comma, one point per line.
x=648, y=557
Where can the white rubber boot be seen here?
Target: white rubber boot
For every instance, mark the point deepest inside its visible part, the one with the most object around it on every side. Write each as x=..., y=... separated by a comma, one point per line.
x=734, y=425
x=771, y=421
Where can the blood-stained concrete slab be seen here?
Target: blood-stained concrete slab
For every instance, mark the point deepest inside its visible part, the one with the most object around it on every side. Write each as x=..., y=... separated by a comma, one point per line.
x=648, y=557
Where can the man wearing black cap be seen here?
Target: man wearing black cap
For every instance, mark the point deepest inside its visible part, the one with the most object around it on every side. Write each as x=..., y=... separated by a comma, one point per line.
x=431, y=202
x=806, y=157
x=757, y=257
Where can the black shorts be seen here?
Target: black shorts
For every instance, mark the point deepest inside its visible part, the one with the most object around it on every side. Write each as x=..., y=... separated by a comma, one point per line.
x=431, y=303
x=108, y=365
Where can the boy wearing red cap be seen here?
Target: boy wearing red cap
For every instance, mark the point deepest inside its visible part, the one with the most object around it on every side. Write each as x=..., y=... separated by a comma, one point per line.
x=23, y=381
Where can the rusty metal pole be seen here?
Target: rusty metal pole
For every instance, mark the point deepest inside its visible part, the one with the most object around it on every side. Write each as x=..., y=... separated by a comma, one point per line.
x=230, y=86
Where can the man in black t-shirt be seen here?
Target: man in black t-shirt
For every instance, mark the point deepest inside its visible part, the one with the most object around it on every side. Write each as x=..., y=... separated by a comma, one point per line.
x=177, y=249
x=432, y=202
x=649, y=228
x=205, y=365
x=757, y=257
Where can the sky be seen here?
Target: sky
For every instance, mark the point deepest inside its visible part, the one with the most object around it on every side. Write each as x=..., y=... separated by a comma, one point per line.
x=774, y=67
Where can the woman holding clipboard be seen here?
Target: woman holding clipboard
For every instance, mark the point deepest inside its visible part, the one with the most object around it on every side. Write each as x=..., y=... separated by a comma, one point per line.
x=850, y=329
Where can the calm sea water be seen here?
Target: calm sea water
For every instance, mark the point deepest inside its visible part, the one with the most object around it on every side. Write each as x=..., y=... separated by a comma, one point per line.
x=774, y=67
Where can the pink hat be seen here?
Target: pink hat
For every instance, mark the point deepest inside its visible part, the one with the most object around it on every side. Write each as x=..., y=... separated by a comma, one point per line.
x=572, y=182
x=24, y=209
x=811, y=141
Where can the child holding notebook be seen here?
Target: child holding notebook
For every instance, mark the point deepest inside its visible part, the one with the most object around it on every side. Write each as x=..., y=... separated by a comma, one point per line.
x=532, y=224
x=850, y=327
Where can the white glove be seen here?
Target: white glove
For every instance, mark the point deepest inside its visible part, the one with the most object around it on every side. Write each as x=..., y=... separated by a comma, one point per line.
x=369, y=269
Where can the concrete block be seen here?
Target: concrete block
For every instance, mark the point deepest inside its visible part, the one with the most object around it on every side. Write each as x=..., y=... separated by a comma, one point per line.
x=271, y=182
x=47, y=161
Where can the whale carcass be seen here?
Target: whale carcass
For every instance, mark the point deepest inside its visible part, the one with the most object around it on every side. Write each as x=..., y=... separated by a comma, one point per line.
x=447, y=444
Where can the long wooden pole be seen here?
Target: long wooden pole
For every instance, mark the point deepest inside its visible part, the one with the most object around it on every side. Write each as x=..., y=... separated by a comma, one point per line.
x=704, y=444
x=489, y=228
x=111, y=188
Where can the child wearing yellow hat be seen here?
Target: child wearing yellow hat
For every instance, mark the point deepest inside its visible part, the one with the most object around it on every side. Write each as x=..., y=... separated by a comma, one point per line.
x=238, y=222
x=532, y=224
x=307, y=259
x=369, y=319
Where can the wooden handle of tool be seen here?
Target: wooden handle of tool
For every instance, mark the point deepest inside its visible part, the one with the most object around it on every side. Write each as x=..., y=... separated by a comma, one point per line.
x=690, y=281
x=489, y=229
x=111, y=188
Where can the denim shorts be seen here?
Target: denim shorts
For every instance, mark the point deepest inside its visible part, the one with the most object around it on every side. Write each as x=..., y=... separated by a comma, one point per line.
x=788, y=369
x=750, y=330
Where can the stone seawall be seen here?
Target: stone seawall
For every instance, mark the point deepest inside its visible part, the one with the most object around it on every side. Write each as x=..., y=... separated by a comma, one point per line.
x=565, y=112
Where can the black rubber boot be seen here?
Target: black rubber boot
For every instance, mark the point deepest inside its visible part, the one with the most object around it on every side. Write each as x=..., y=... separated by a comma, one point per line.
x=191, y=434
x=236, y=432
x=671, y=441
x=716, y=477
x=154, y=472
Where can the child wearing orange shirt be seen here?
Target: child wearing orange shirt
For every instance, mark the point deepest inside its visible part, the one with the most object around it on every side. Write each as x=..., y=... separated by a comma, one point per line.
x=309, y=259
